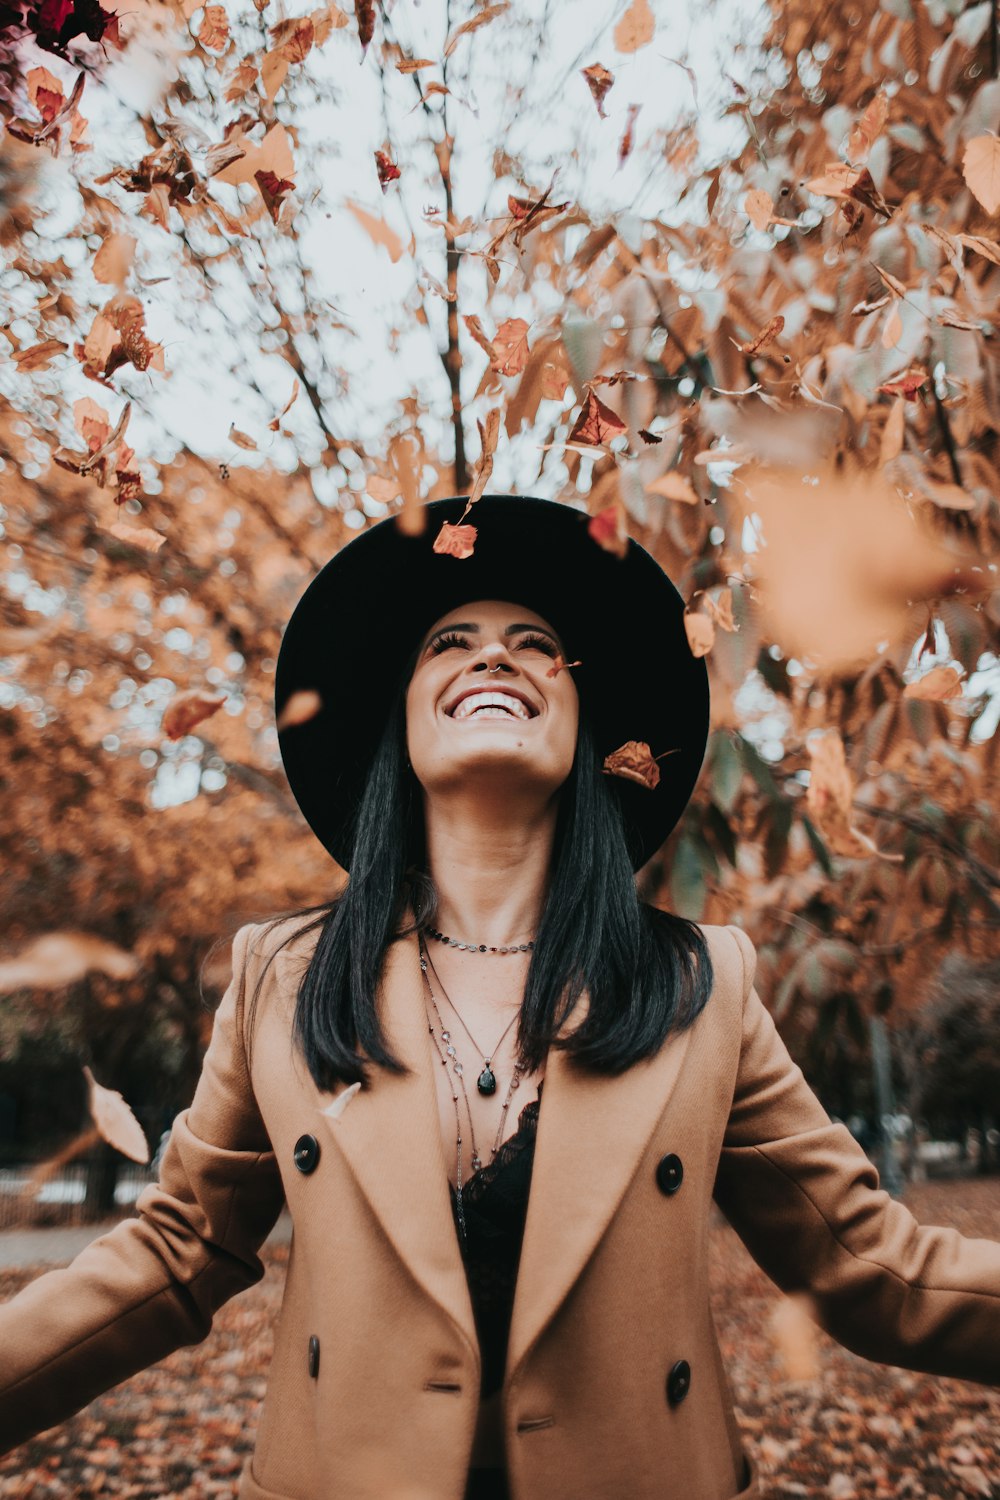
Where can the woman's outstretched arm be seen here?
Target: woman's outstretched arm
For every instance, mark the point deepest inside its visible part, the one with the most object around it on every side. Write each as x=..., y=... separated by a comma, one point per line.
x=153, y=1283
x=805, y=1200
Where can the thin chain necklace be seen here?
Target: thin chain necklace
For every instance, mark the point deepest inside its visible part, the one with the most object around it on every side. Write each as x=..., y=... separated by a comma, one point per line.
x=486, y=1082
x=459, y=1072
x=442, y=937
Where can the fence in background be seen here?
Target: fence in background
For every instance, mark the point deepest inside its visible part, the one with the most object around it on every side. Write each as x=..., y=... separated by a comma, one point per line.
x=60, y=1201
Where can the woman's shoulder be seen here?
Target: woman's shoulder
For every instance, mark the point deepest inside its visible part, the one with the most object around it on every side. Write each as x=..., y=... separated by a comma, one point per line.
x=285, y=936
x=733, y=955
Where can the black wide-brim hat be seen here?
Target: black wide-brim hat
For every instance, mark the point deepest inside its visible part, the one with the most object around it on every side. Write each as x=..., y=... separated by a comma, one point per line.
x=350, y=634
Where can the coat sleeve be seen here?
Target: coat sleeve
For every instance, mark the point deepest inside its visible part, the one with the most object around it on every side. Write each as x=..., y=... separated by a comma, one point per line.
x=805, y=1200
x=154, y=1282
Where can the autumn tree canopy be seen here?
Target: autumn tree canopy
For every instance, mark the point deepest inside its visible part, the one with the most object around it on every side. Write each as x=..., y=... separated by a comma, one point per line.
x=272, y=274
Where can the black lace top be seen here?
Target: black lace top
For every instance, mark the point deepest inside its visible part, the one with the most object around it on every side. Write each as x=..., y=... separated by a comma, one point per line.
x=495, y=1206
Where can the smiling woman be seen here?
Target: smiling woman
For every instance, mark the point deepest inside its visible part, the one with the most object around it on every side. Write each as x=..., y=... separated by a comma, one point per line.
x=485, y=1300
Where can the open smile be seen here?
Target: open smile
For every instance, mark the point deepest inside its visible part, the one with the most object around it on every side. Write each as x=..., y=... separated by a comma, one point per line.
x=492, y=705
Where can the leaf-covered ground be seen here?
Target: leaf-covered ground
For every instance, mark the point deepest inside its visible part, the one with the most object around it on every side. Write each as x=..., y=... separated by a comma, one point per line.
x=857, y=1432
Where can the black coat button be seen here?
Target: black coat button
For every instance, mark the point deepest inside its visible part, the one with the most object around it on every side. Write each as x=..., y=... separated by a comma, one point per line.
x=313, y=1356
x=678, y=1382
x=306, y=1152
x=669, y=1174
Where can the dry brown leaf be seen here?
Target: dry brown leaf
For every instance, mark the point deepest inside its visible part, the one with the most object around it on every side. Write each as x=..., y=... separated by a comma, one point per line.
x=242, y=79
x=830, y=795
x=213, y=33
x=484, y=464
x=455, y=541
x=634, y=761
x=274, y=154
x=766, y=336
x=721, y=609
x=143, y=537
x=636, y=27
x=599, y=81
x=981, y=170
x=608, y=530
x=510, y=347
x=115, y=1120
x=868, y=129
x=795, y=1337
x=487, y=14
x=273, y=72
x=674, y=486
x=935, y=686
x=700, y=630
x=378, y=230
x=38, y=356
x=241, y=439
x=759, y=208
x=597, y=424
x=188, y=709
x=300, y=707
x=414, y=64
x=113, y=260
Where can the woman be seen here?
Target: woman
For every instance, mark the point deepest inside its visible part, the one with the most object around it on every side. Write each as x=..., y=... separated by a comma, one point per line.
x=497, y=1091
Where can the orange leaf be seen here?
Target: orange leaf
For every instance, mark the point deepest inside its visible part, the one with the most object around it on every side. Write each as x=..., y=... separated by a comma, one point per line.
x=113, y=260
x=510, y=347
x=907, y=384
x=188, y=709
x=455, y=541
x=597, y=424
x=599, y=80
x=700, y=632
x=561, y=666
x=764, y=337
x=937, y=685
x=608, y=529
x=981, y=169
x=634, y=761
x=115, y=1121
x=636, y=27
x=213, y=32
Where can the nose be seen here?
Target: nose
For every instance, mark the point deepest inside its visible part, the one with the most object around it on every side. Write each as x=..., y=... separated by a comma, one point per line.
x=494, y=659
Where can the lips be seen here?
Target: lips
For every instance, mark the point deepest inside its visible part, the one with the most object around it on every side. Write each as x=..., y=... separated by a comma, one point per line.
x=485, y=703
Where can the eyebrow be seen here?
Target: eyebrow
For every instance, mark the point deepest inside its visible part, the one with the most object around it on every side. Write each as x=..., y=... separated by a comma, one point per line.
x=471, y=626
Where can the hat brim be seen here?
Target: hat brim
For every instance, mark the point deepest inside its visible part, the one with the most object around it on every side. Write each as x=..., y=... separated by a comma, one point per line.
x=358, y=620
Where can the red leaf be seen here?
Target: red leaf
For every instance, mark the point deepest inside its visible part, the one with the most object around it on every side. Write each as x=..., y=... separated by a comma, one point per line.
x=607, y=530
x=455, y=541
x=597, y=424
x=273, y=190
x=599, y=80
x=387, y=170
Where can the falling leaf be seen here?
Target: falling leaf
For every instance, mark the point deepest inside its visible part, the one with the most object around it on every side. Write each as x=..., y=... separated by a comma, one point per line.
x=907, y=384
x=455, y=541
x=636, y=27
x=936, y=686
x=241, y=439
x=634, y=761
x=113, y=260
x=364, y=11
x=981, y=169
x=649, y=437
x=378, y=230
x=597, y=424
x=700, y=630
x=274, y=154
x=213, y=32
x=274, y=190
x=795, y=1337
x=559, y=665
x=115, y=1121
x=868, y=129
x=625, y=145
x=275, y=422
x=188, y=709
x=830, y=795
x=893, y=330
x=892, y=282
x=273, y=72
x=336, y=1107
x=555, y=378
x=38, y=356
x=599, y=81
x=674, y=486
x=487, y=14
x=608, y=529
x=759, y=208
x=510, y=347
x=46, y=93
x=484, y=463
x=300, y=707
x=414, y=64
x=766, y=336
x=721, y=609
x=387, y=170
x=54, y=960
x=143, y=537
x=294, y=36
x=243, y=79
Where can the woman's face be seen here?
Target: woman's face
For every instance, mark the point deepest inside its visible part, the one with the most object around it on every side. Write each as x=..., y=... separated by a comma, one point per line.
x=481, y=705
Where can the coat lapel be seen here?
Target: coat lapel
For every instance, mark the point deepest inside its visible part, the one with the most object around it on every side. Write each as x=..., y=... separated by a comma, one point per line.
x=391, y=1137
x=592, y=1131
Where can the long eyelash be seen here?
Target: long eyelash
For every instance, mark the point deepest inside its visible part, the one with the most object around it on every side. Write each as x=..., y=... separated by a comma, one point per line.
x=451, y=638
x=539, y=640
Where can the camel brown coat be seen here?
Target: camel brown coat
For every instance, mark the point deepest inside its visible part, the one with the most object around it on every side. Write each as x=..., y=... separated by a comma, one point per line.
x=373, y=1387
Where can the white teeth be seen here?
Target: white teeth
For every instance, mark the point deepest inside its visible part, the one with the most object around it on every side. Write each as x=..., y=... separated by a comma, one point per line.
x=499, y=703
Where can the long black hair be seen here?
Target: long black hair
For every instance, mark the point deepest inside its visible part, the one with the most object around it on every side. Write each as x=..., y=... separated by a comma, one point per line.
x=648, y=972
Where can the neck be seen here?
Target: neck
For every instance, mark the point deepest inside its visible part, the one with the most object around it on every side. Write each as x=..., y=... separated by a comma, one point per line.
x=490, y=867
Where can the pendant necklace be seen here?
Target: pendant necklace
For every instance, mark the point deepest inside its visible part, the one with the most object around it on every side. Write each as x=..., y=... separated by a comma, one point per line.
x=486, y=1082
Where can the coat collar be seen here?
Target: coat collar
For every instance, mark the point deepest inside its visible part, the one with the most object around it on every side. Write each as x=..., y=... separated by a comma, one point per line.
x=592, y=1130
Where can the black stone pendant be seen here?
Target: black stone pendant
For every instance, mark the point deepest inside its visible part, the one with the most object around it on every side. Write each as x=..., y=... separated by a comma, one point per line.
x=487, y=1083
